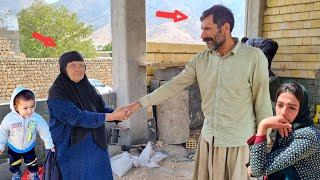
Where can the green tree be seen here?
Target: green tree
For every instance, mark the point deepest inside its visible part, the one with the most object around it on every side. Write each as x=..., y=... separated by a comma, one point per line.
x=107, y=47
x=56, y=22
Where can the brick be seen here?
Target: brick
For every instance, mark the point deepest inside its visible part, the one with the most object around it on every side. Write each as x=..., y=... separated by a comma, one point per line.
x=298, y=41
x=291, y=33
x=289, y=49
x=287, y=17
x=289, y=2
x=315, y=23
x=312, y=57
x=287, y=41
x=268, y=11
x=276, y=18
x=275, y=10
x=311, y=74
x=299, y=73
x=296, y=25
x=296, y=17
x=316, y=65
x=302, y=49
x=266, y=19
x=304, y=32
x=274, y=26
x=271, y=3
x=284, y=25
x=309, y=7
x=306, y=24
x=307, y=41
x=304, y=16
x=280, y=2
x=305, y=65
x=302, y=1
x=266, y=27
x=151, y=57
x=283, y=10
x=292, y=65
x=300, y=7
x=273, y=34
x=316, y=6
x=314, y=15
x=314, y=32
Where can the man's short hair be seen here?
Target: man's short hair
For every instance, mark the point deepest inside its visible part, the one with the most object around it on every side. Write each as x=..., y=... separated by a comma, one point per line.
x=24, y=95
x=221, y=15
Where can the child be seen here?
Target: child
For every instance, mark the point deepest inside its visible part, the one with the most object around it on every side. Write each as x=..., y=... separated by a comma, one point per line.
x=18, y=130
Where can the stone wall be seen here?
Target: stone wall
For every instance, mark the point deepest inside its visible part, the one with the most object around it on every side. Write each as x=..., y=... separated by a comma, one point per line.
x=9, y=42
x=39, y=73
x=295, y=25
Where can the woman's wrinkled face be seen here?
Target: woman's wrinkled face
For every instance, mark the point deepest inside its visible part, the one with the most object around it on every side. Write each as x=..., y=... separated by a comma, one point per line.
x=76, y=70
x=288, y=106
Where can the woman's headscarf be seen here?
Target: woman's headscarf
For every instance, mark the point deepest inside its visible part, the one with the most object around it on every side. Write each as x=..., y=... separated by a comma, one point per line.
x=303, y=118
x=82, y=94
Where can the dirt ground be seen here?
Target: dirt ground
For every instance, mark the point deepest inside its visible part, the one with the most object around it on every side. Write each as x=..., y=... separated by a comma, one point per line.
x=177, y=166
x=167, y=171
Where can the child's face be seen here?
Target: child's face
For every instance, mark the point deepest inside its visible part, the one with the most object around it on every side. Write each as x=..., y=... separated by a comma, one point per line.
x=25, y=108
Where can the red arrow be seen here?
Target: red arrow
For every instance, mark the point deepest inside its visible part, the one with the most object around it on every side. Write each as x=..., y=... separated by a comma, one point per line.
x=46, y=40
x=176, y=15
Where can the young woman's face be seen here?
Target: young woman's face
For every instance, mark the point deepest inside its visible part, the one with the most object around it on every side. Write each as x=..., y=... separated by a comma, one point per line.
x=288, y=106
x=76, y=70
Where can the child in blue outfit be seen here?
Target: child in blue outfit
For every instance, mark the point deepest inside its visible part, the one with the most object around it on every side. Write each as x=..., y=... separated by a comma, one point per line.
x=18, y=130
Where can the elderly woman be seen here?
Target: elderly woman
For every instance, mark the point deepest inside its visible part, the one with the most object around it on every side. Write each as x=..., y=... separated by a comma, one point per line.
x=296, y=151
x=77, y=123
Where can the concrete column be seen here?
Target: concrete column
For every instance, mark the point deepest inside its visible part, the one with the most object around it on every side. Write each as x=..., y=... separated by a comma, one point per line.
x=254, y=18
x=128, y=23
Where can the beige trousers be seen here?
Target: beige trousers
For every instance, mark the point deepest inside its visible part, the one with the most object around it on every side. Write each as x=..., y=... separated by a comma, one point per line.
x=220, y=163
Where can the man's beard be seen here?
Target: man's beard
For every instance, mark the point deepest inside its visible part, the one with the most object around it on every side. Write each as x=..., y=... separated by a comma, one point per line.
x=216, y=44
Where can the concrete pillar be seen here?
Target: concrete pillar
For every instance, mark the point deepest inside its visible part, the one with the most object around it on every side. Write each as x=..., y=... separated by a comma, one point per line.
x=128, y=23
x=254, y=18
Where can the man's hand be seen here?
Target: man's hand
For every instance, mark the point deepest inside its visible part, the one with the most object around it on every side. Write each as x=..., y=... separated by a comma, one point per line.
x=132, y=108
x=52, y=150
x=1, y=152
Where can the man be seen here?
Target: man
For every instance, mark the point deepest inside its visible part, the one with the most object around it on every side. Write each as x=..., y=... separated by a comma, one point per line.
x=268, y=46
x=233, y=82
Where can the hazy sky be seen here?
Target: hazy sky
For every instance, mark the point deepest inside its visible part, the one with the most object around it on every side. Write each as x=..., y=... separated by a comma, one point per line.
x=50, y=1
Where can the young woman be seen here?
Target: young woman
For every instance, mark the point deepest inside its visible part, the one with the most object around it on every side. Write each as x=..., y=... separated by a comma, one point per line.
x=296, y=150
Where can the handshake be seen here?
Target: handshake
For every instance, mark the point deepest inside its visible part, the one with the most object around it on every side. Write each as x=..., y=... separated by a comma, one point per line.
x=123, y=113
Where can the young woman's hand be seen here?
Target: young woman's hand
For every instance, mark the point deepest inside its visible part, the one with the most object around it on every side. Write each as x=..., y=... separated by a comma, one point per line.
x=249, y=172
x=275, y=122
x=52, y=150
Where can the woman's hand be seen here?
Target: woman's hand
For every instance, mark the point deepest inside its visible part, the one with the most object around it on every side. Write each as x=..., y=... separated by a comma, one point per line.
x=1, y=152
x=52, y=150
x=249, y=172
x=275, y=122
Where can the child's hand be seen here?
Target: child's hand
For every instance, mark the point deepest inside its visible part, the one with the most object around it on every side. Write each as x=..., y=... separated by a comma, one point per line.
x=52, y=150
x=1, y=152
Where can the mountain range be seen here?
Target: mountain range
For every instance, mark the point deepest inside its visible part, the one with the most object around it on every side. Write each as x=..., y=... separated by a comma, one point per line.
x=98, y=14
